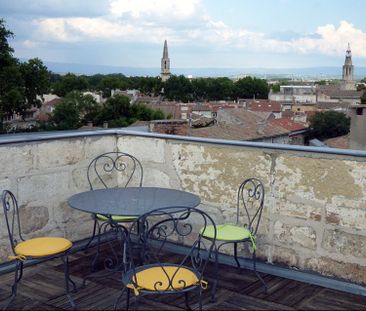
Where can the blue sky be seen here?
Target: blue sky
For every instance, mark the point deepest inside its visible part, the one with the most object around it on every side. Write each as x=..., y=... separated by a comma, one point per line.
x=200, y=33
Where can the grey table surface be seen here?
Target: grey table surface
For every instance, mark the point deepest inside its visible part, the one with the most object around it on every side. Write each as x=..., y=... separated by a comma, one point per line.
x=131, y=201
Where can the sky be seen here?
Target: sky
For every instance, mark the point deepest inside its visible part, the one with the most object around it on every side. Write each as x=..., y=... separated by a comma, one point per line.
x=200, y=33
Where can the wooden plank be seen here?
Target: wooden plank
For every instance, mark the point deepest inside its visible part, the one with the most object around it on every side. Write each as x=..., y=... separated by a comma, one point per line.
x=42, y=288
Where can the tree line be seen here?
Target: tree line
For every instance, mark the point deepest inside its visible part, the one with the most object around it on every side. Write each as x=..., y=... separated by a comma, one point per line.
x=177, y=88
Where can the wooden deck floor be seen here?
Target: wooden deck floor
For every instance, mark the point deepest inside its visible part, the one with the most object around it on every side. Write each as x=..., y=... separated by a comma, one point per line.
x=42, y=289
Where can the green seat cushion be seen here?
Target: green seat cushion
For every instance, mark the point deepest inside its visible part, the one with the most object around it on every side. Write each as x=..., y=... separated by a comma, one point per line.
x=226, y=232
x=116, y=218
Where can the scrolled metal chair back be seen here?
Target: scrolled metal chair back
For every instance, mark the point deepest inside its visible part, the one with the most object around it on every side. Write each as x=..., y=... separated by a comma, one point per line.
x=12, y=219
x=251, y=198
x=168, y=226
x=114, y=169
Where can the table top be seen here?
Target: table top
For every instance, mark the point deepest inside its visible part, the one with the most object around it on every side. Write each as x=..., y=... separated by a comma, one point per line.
x=131, y=201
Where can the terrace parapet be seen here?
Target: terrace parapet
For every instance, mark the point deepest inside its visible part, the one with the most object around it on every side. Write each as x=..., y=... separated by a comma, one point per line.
x=315, y=205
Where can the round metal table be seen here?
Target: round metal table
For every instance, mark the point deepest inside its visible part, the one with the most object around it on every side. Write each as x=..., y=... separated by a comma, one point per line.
x=131, y=201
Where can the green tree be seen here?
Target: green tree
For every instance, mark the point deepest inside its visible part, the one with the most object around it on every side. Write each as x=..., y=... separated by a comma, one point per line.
x=36, y=81
x=20, y=83
x=250, y=87
x=178, y=88
x=70, y=82
x=117, y=107
x=75, y=110
x=328, y=124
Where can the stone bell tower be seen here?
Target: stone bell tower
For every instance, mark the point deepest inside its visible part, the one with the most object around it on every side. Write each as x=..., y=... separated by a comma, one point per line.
x=348, y=82
x=165, y=64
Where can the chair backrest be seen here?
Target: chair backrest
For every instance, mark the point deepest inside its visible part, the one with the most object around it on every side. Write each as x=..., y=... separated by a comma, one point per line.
x=11, y=212
x=114, y=169
x=251, y=197
x=165, y=227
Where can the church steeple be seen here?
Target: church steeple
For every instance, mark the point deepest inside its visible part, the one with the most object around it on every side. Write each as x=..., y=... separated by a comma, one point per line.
x=348, y=82
x=165, y=64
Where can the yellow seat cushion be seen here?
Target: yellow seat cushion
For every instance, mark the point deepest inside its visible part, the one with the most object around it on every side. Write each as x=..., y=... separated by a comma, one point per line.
x=165, y=278
x=226, y=232
x=41, y=247
x=116, y=218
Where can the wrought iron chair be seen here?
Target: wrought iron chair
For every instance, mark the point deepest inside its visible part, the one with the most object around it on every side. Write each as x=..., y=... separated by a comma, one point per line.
x=150, y=273
x=36, y=248
x=251, y=198
x=112, y=169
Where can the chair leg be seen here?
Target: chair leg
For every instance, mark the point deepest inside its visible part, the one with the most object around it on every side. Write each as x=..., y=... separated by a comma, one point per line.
x=236, y=255
x=17, y=277
x=95, y=259
x=65, y=259
x=256, y=273
x=186, y=297
x=119, y=298
x=86, y=249
x=216, y=275
x=136, y=303
x=200, y=299
x=128, y=299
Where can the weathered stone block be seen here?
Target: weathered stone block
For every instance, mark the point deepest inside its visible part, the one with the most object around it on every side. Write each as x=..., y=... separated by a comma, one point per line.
x=345, y=270
x=295, y=235
x=314, y=176
x=347, y=217
x=298, y=207
x=33, y=218
x=285, y=256
x=5, y=250
x=43, y=187
x=59, y=153
x=94, y=146
x=17, y=160
x=345, y=243
x=156, y=178
x=144, y=149
x=216, y=173
x=79, y=181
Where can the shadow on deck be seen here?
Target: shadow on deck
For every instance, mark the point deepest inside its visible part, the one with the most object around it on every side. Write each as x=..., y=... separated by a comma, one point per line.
x=42, y=288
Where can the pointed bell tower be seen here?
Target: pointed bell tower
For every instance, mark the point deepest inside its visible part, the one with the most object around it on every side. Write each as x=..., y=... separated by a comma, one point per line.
x=348, y=82
x=165, y=64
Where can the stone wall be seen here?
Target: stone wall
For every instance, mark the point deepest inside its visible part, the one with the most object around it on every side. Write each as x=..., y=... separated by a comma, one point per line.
x=314, y=217
x=315, y=206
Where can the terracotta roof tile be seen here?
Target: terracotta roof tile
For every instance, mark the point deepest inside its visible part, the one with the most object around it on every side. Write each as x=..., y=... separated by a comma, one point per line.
x=289, y=125
x=240, y=124
x=264, y=105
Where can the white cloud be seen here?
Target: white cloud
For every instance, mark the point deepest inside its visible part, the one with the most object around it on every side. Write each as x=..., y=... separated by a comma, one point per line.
x=81, y=29
x=333, y=41
x=56, y=29
x=186, y=23
x=155, y=9
x=29, y=44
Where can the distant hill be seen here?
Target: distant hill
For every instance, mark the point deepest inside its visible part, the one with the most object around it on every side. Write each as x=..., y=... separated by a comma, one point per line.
x=313, y=72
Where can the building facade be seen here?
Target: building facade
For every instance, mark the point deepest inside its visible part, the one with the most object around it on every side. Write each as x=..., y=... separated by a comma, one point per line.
x=348, y=81
x=165, y=64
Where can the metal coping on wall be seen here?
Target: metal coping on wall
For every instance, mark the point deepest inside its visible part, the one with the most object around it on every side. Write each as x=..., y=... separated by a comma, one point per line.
x=54, y=135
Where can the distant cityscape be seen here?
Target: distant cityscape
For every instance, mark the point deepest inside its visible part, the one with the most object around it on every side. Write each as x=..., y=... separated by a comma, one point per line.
x=267, y=105
x=316, y=73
